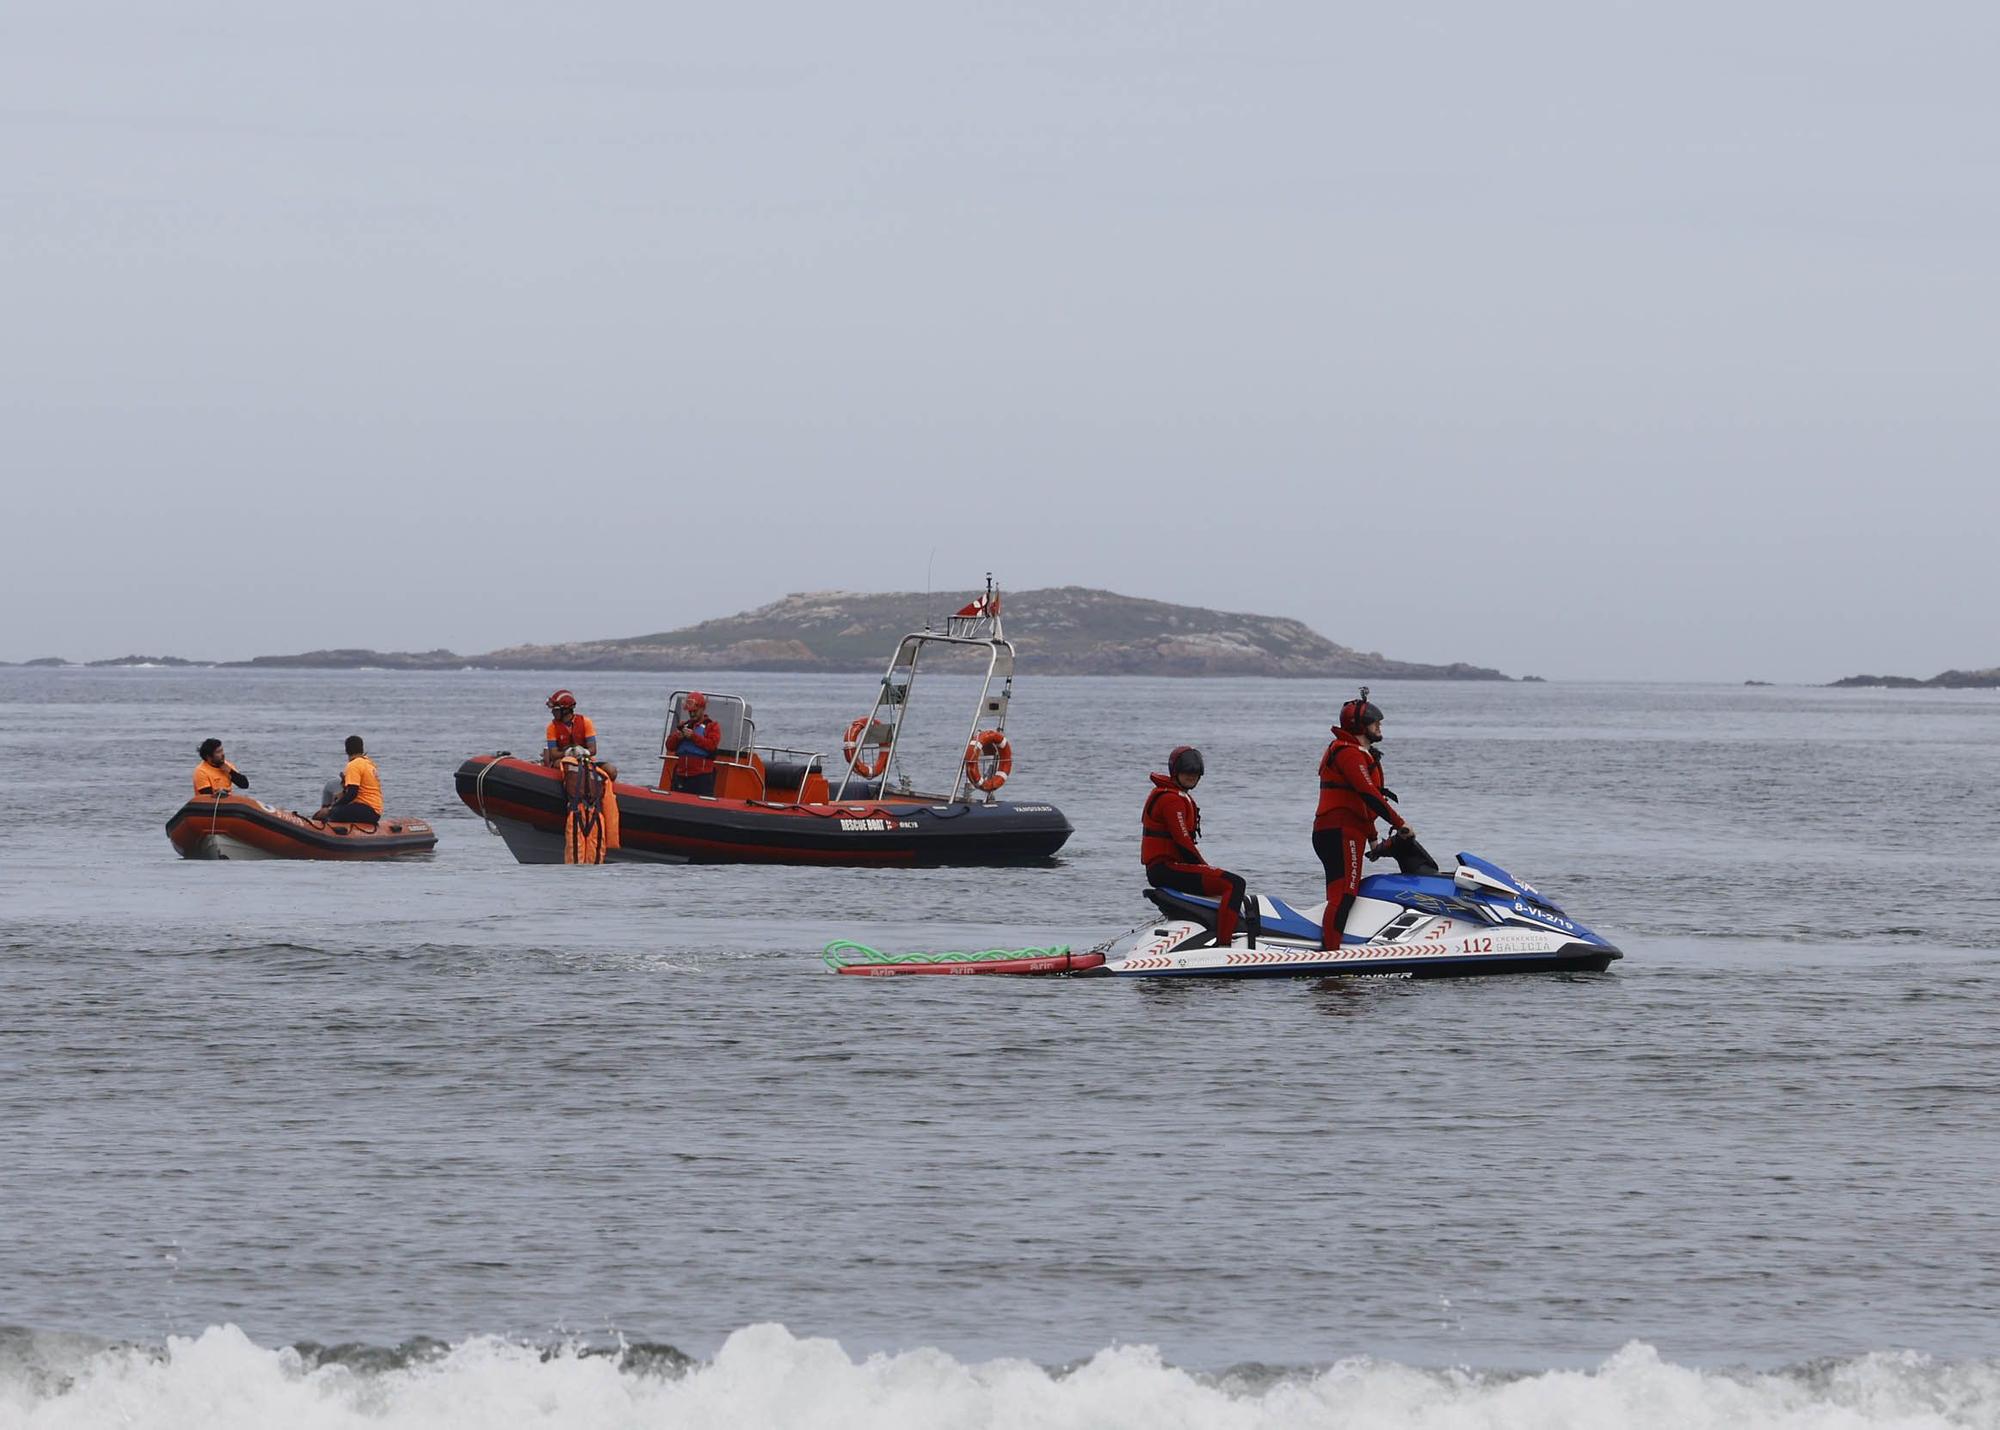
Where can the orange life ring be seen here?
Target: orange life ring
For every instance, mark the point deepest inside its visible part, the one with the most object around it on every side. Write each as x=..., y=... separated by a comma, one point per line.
x=984, y=743
x=850, y=750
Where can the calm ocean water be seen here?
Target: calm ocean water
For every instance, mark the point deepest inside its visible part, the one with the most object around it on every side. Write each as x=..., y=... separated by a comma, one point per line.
x=246, y=1108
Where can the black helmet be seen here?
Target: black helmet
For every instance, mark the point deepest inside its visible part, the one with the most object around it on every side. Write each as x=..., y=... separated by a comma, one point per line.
x=1357, y=715
x=1185, y=760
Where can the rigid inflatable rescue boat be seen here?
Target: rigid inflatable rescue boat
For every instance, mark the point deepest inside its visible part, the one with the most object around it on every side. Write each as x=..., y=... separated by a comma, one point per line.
x=235, y=826
x=777, y=805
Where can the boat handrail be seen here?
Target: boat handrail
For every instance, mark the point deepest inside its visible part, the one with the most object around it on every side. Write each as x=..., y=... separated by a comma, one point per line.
x=810, y=757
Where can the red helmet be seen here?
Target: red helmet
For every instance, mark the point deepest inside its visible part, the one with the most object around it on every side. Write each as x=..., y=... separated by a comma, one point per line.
x=1184, y=760
x=695, y=701
x=562, y=700
x=1357, y=715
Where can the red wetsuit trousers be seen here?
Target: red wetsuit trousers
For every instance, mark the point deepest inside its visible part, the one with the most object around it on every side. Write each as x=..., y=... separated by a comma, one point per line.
x=1340, y=850
x=1210, y=883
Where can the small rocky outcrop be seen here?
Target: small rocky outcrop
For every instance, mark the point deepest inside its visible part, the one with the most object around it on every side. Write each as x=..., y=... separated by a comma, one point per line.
x=1948, y=680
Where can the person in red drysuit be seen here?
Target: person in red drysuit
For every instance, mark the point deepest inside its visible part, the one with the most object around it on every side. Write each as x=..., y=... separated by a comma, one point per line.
x=1169, y=825
x=1351, y=799
x=693, y=744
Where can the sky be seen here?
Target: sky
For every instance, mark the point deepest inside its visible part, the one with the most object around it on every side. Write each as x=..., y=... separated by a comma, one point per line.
x=1588, y=340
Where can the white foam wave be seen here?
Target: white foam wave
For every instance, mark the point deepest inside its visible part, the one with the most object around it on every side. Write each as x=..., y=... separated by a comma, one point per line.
x=765, y=1378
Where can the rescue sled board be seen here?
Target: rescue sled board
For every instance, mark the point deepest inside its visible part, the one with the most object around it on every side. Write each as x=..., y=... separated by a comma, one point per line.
x=846, y=956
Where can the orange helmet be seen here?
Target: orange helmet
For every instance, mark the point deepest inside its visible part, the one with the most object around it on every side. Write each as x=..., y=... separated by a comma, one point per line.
x=562, y=700
x=695, y=701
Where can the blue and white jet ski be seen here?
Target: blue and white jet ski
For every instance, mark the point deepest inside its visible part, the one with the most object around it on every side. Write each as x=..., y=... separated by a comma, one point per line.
x=1418, y=923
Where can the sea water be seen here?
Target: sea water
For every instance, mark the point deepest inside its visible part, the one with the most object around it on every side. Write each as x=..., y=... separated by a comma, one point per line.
x=461, y=1141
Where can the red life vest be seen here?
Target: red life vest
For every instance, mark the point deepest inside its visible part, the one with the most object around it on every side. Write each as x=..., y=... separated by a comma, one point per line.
x=1348, y=770
x=1169, y=825
x=574, y=731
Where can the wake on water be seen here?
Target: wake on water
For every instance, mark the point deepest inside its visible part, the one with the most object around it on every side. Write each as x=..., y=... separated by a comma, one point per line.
x=766, y=1377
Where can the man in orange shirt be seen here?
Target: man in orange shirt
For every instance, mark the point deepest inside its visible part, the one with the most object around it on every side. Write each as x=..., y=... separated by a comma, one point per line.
x=215, y=776
x=361, y=790
x=567, y=729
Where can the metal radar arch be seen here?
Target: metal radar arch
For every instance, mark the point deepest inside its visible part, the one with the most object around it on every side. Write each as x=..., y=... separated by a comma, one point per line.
x=974, y=626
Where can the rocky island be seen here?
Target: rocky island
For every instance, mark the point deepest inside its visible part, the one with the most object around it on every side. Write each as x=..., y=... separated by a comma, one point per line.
x=1063, y=630
x=1948, y=680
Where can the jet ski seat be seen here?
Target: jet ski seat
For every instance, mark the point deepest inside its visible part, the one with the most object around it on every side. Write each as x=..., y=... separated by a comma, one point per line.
x=1275, y=917
x=1183, y=906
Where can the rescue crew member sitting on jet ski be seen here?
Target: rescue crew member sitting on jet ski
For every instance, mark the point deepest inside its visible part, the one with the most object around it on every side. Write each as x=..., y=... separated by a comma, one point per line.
x=360, y=799
x=693, y=744
x=215, y=775
x=1169, y=825
x=567, y=728
x=1351, y=799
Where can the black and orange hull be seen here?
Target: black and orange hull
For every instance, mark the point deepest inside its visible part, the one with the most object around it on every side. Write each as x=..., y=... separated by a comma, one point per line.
x=524, y=802
x=235, y=826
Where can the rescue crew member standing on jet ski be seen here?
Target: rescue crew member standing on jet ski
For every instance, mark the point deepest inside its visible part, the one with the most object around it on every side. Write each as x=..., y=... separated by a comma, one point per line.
x=215, y=775
x=567, y=728
x=1351, y=798
x=1169, y=825
x=693, y=744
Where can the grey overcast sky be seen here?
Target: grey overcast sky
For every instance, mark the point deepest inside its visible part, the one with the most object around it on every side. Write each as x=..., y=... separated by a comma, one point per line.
x=1592, y=339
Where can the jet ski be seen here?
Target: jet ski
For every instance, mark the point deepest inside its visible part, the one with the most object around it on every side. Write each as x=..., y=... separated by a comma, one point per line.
x=1416, y=923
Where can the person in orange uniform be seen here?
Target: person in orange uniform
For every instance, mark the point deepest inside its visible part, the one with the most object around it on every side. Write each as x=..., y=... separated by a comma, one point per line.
x=215, y=776
x=567, y=729
x=1169, y=825
x=1351, y=799
x=693, y=744
x=360, y=799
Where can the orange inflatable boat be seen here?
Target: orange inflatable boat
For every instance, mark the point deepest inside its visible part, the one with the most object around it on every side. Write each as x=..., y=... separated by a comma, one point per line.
x=235, y=826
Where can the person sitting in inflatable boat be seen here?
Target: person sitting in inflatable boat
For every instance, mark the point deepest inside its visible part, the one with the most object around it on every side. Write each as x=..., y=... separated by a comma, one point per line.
x=361, y=790
x=567, y=729
x=215, y=775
